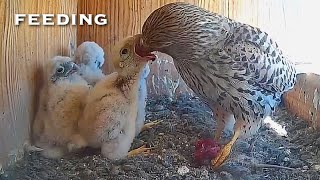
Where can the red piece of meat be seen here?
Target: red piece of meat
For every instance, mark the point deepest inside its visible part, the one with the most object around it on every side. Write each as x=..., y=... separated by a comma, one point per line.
x=206, y=150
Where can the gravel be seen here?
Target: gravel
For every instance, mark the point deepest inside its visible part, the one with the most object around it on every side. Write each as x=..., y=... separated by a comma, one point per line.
x=186, y=120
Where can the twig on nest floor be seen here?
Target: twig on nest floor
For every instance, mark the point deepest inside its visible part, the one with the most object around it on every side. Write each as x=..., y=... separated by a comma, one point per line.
x=272, y=166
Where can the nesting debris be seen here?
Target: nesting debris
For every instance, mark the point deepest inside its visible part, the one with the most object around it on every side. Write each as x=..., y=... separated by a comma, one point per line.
x=270, y=155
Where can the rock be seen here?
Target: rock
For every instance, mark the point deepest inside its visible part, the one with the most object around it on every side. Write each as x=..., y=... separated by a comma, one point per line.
x=1, y=169
x=183, y=170
x=316, y=167
x=243, y=146
x=188, y=177
x=304, y=156
x=287, y=151
x=143, y=174
x=171, y=144
x=120, y=162
x=148, y=168
x=159, y=108
x=286, y=159
x=88, y=171
x=204, y=174
x=296, y=163
x=128, y=167
x=242, y=171
x=225, y=175
x=167, y=161
x=252, y=177
x=236, y=169
x=115, y=170
x=173, y=177
x=185, y=116
x=188, y=110
x=317, y=143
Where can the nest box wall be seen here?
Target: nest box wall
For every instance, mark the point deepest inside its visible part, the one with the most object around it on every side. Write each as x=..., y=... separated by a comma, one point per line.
x=304, y=100
x=277, y=17
x=126, y=18
x=23, y=50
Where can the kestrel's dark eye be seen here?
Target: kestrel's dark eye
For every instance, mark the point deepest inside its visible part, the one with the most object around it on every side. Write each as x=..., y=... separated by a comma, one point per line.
x=60, y=70
x=124, y=51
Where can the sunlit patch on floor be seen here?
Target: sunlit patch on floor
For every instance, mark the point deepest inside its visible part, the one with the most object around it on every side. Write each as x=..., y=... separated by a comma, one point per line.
x=280, y=130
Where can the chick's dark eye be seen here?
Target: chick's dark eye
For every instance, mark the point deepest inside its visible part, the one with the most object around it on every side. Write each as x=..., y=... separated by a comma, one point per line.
x=60, y=70
x=124, y=51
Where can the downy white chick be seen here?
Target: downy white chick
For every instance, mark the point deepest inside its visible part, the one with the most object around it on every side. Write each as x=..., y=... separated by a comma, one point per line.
x=60, y=107
x=142, y=99
x=110, y=113
x=90, y=57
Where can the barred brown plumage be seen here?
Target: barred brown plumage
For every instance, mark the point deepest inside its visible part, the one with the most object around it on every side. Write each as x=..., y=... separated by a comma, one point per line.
x=234, y=67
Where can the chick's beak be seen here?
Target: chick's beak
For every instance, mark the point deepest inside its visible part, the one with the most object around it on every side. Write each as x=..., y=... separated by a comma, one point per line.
x=75, y=68
x=142, y=51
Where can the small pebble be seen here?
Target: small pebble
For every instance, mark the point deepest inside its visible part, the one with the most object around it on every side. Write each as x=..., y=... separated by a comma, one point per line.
x=184, y=116
x=188, y=177
x=171, y=144
x=316, y=167
x=304, y=157
x=183, y=170
x=317, y=143
x=287, y=151
x=88, y=171
x=174, y=177
x=127, y=167
x=204, y=174
x=159, y=108
x=296, y=164
x=115, y=170
x=243, y=146
x=226, y=176
x=1, y=169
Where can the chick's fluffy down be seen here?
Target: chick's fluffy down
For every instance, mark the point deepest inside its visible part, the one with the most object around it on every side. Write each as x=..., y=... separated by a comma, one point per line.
x=64, y=109
x=108, y=119
x=90, y=57
x=60, y=107
x=92, y=76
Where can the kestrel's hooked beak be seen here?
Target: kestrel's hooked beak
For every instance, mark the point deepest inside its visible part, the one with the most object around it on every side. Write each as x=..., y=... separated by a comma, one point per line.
x=141, y=51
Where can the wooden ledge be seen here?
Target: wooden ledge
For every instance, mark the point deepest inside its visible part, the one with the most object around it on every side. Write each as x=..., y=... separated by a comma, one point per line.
x=304, y=99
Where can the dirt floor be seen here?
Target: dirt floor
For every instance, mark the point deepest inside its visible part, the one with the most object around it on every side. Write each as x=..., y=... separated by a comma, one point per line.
x=294, y=156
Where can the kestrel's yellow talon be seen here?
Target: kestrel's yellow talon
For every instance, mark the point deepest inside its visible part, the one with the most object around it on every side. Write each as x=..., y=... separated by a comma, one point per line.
x=222, y=156
x=226, y=150
x=150, y=125
x=139, y=150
